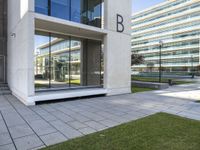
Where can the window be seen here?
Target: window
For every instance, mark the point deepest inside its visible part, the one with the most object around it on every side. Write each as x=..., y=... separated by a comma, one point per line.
x=82, y=11
x=67, y=62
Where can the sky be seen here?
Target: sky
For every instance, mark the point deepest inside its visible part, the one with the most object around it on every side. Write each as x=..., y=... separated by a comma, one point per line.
x=139, y=5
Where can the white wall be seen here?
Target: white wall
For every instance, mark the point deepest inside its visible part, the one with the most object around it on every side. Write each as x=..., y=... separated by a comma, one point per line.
x=20, y=47
x=117, y=47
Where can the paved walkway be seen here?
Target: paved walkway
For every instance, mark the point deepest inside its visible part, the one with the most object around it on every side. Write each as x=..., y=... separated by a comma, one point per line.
x=34, y=127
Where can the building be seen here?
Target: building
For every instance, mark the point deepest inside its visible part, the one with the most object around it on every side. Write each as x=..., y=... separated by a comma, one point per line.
x=177, y=25
x=58, y=49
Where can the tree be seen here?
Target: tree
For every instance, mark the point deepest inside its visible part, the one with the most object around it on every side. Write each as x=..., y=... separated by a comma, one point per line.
x=137, y=59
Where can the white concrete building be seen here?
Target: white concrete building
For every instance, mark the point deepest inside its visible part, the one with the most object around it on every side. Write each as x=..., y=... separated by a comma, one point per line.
x=58, y=49
x=177, y=25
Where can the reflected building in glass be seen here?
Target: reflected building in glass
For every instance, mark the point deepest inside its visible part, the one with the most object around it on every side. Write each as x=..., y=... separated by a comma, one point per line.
x=177, y=25
x=63, y=49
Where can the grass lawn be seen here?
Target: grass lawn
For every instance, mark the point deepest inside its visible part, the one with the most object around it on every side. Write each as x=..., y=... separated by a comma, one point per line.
x=136, y=89
x=164, y=80
x=157, y=132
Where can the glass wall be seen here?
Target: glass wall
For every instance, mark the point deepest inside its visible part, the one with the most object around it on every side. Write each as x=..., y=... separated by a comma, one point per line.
x=82, y=11
x=67, y=62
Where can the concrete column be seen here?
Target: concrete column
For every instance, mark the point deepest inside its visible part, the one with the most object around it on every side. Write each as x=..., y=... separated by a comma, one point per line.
x=91, y=61
x=117, y=46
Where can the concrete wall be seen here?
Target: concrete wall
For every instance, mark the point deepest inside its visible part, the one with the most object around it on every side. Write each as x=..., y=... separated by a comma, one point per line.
x=20, y=50
x=117, y=45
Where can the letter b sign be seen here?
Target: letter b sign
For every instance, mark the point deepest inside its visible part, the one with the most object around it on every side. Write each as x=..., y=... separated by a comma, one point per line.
x=120, y=25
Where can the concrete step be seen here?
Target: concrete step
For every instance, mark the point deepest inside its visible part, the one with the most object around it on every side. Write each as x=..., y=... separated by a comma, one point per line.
x=5, y=92
x=4, y=89
x=3, y=85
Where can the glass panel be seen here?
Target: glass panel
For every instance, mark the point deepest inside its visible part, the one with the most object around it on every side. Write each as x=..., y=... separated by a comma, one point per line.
x=59, y=61
x=64, y=62
x=94, y=12
x=42, y=65
x=41, y=6
x=60, y=9
x=76, y=10
x=75, y=63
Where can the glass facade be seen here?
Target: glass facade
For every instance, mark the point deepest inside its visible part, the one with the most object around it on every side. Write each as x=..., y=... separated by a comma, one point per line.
x=88, y=12
x=177, y=25
x=67, y=62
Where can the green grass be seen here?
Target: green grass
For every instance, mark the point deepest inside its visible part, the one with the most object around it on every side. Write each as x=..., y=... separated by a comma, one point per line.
x=164, y=80
x=157, y=132
x=141, y=89
x=38, y=85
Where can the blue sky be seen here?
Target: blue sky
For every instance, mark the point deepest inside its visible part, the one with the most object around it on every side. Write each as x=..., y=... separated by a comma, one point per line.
x=138, y=5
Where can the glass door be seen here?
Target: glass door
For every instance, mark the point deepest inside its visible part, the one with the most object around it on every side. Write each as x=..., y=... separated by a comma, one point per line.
x=60, y=58
x=75, y=62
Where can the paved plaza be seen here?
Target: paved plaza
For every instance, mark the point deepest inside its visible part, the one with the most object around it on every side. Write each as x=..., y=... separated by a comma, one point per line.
x=34, y=127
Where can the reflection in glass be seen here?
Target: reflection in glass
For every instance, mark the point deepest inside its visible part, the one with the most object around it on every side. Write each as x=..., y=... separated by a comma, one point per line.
x=94, y=12
x=82, y=11
x=42, y=66
x=67, y=62
x=76, y=10
x=75, y=61
x=41, y=6
x=59, y=61
x=60, y=9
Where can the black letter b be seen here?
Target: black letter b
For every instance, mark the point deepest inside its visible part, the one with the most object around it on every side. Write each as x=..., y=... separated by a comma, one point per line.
x=120, y=21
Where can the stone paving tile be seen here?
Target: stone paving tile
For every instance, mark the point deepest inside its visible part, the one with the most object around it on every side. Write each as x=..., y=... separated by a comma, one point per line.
x=28, y=142
x=62, y=116
x=80, y=117
x=48, y=117
x=53, y=138
x=8, y=147
x=65, y=129
x=13, y=119
x=3, y=128
x=95, y=125
x=109, y=123
x=5, y=139
x=31, y=117
x=87, y=130
x=20, y=131
x=41, y=127
x=189, y=115
x=77, y=125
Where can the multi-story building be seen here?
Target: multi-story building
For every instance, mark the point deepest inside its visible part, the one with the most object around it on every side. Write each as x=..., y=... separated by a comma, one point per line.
x=175, y=24
x=59, y=49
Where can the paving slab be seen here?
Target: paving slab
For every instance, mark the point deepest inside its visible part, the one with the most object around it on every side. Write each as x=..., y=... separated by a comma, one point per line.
x=20, y=131
x=42, y=127
x=5, y=139
x=28, y=142
x=65, y=129
x=53, y=138
x=8, y=147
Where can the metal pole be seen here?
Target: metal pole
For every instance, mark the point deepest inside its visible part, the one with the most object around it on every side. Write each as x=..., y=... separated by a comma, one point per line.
x=160, y=61
x=192, y=63
x=160, y=65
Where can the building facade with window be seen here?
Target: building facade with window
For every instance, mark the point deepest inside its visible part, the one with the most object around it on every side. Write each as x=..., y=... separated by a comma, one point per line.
x=60, y=49
x=177, y=25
